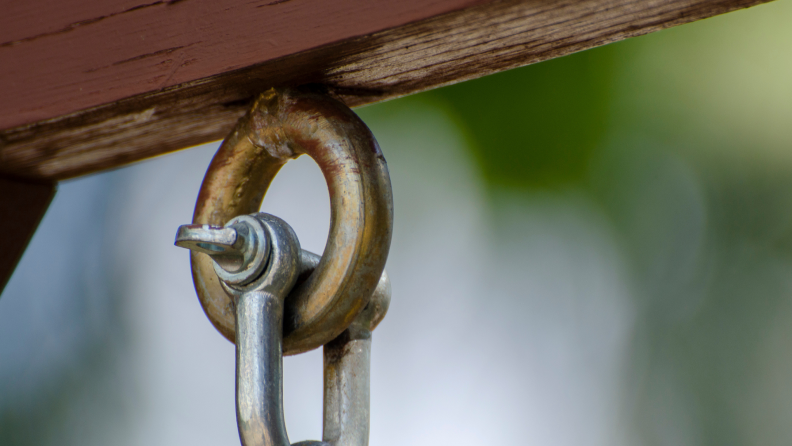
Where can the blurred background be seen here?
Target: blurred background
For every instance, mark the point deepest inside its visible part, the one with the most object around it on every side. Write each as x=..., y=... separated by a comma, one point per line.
x=593, y=250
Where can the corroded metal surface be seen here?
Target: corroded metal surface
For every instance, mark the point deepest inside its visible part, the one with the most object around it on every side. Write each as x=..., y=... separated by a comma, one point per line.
x=282, y=125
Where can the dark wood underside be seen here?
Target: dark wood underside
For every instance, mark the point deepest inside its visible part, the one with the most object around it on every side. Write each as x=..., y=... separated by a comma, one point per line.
x=472, y=40
x=22, y=206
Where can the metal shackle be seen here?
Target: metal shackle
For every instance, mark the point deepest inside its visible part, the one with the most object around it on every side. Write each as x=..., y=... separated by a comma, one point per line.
x=281, y=125
x=265, y=243
x=347, y=368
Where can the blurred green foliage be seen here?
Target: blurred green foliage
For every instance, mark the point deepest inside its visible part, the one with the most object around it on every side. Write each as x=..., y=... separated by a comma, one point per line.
x=683, y=139
x=536, y=126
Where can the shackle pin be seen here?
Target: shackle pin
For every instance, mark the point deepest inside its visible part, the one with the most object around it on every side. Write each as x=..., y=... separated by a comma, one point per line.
x=239, y=249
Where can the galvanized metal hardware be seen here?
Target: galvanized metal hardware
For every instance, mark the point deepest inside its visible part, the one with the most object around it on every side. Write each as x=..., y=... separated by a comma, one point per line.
x=259, y=329
x=281, y=125
x=281, y=299
x=240, y=249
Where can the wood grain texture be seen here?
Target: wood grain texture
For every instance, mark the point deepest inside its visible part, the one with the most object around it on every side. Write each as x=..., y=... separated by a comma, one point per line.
x=144, y=79
x=22, y=205
x=116, y=49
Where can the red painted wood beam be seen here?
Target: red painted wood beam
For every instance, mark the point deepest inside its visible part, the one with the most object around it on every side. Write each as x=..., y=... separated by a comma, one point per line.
x=88, y=85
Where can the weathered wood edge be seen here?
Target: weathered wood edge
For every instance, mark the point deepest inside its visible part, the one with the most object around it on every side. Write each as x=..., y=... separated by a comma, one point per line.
x=422, y=55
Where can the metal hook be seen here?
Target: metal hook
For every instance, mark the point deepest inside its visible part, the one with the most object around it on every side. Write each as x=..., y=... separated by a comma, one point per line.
x=245, y=272
x=284, y=124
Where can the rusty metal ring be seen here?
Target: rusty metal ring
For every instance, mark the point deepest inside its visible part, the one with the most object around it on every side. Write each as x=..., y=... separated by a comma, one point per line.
x=281, y=125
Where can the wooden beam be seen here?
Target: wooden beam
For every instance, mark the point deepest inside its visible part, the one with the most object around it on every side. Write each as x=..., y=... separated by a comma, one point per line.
x=89, y=85
x=22, y=205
